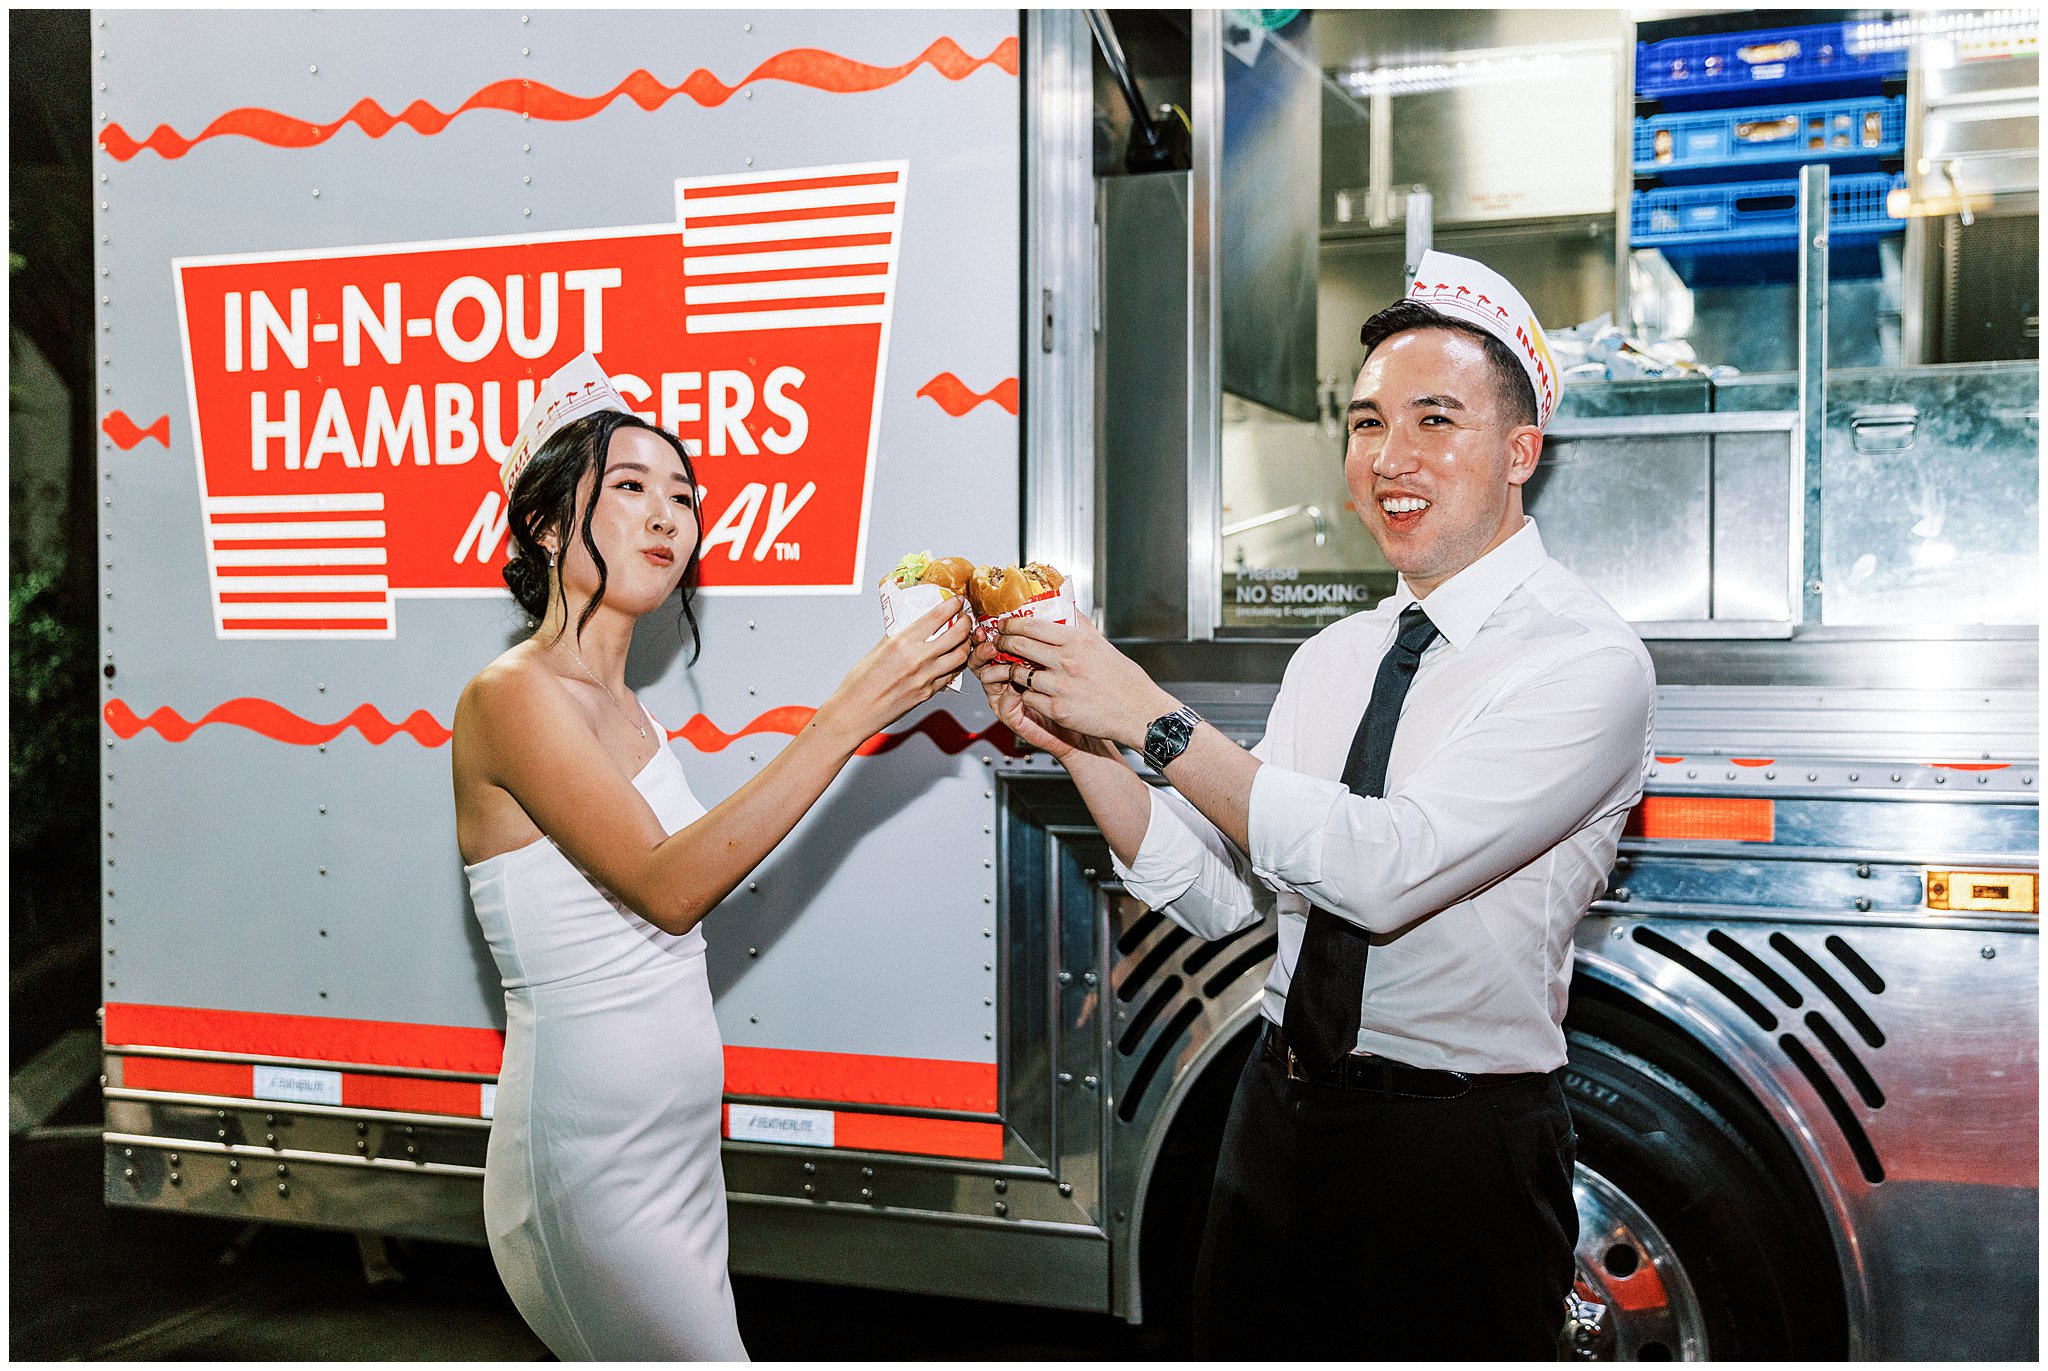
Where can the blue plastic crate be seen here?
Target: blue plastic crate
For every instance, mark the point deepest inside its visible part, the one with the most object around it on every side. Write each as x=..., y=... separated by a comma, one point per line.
x=1758, y=212
x=1761, y=135
x=1724, y=62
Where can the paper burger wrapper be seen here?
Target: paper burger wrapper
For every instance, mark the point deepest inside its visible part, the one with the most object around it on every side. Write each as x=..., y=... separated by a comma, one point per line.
x=1055, y=607
x=903, y=606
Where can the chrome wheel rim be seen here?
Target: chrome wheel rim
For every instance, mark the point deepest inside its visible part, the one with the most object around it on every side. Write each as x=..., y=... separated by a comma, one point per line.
x=1631, y=1299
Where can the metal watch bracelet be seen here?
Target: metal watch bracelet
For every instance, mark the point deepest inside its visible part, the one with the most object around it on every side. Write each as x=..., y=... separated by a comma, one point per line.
x=1167, y=736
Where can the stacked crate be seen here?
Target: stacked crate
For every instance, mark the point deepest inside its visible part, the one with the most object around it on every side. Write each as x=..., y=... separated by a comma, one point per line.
x=1723, y=124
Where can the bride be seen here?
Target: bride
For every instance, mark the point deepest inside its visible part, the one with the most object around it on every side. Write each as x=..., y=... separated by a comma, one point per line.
x=590, y=866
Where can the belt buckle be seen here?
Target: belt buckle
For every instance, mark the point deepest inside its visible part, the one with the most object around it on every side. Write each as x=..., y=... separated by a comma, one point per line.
x=1462, y=1081
x=1294, y=1072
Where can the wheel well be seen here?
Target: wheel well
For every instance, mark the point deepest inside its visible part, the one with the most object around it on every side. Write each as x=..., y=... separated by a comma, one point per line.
x=1608, y=1014
x=1175, y=1199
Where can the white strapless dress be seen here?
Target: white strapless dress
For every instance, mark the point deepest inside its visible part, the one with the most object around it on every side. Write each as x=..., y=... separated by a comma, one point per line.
x=603, y=1196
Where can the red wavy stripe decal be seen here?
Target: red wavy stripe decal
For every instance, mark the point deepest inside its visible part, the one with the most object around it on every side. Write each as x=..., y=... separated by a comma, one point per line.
x=812, y=67
x=949, y=737
x=126, y=435
x=949, y=393
x=279, y=724
x=275, y=722
x=946, y=733
x=706, y=736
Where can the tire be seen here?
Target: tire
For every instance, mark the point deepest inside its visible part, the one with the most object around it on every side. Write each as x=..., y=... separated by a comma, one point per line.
x=1694, y=1191
x=1718, y=1207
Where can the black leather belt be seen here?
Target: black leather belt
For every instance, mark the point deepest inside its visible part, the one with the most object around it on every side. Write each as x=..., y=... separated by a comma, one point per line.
x=1380, y=1076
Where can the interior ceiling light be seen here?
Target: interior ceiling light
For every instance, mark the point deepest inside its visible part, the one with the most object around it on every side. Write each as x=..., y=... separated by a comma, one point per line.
x=1427, y=76
x=1981, y=25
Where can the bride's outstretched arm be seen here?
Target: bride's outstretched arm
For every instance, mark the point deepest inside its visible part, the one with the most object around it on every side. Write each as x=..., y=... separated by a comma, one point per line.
x=533, y=741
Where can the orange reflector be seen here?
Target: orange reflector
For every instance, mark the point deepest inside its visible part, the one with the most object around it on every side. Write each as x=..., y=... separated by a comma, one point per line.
x=1703, y=819
x=1993, y=892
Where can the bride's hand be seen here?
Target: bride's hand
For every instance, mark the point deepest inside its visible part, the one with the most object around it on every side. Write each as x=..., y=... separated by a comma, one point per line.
x=900, y=673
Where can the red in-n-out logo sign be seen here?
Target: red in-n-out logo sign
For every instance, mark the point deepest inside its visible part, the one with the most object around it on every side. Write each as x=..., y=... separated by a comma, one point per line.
x=350, y=407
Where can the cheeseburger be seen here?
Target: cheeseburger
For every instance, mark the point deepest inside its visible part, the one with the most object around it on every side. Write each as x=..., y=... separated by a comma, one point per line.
x=950, y=574
x=1001, y=593
x=994, y=590
x=919, y=584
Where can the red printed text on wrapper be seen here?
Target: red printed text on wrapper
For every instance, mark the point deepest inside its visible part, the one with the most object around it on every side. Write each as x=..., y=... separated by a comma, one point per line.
x=1055, y=606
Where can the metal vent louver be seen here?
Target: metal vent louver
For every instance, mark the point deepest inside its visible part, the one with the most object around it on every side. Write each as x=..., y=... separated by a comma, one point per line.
x=1816, y=974
x=1154, y=982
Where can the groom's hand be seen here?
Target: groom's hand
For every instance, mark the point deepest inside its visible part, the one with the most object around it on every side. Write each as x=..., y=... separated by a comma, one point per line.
x=1009, y=707
x=1073, y=679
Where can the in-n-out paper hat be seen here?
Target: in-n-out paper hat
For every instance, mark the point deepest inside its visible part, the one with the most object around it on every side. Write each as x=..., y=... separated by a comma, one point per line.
x=579, y=388
x=1472, y=293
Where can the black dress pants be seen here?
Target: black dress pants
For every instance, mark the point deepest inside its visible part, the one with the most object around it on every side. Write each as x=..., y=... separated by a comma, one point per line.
x=1349, y=1224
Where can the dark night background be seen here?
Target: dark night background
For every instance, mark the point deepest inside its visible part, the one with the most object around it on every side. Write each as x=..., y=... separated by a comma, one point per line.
x=53, y=836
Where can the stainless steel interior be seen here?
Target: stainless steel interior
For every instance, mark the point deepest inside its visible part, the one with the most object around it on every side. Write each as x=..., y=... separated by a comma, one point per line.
x=1911, y=528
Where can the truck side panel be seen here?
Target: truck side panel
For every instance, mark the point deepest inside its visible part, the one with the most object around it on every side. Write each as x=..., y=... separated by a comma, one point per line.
x=289, y=618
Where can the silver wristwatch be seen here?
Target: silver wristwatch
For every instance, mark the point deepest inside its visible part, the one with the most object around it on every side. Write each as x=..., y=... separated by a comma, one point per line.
x=1167, y=736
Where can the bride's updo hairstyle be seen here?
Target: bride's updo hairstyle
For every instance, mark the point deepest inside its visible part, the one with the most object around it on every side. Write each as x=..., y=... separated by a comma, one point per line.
x=544, y=498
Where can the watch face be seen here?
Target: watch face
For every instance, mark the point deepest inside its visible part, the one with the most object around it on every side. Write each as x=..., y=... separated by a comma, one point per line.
x=1167, y=738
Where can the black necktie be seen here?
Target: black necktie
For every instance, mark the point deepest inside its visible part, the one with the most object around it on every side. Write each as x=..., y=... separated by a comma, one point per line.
x=1321, y=1022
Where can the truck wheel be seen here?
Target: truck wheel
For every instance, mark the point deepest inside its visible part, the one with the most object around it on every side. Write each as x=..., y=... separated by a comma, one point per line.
x=1631, y=1299
x=1698, y=1236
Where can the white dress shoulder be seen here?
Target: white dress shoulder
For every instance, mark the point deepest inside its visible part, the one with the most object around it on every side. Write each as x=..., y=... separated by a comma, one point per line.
x=603, y=1196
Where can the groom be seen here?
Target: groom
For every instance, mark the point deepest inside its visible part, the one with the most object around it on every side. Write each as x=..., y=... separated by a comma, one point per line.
x=1435, y=803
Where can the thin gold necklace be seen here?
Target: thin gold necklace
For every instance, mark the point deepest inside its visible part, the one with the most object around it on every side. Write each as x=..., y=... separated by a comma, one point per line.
x=638, y=727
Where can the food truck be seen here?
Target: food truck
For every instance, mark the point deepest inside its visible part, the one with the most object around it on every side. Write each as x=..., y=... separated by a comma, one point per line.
x=1082, y=287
